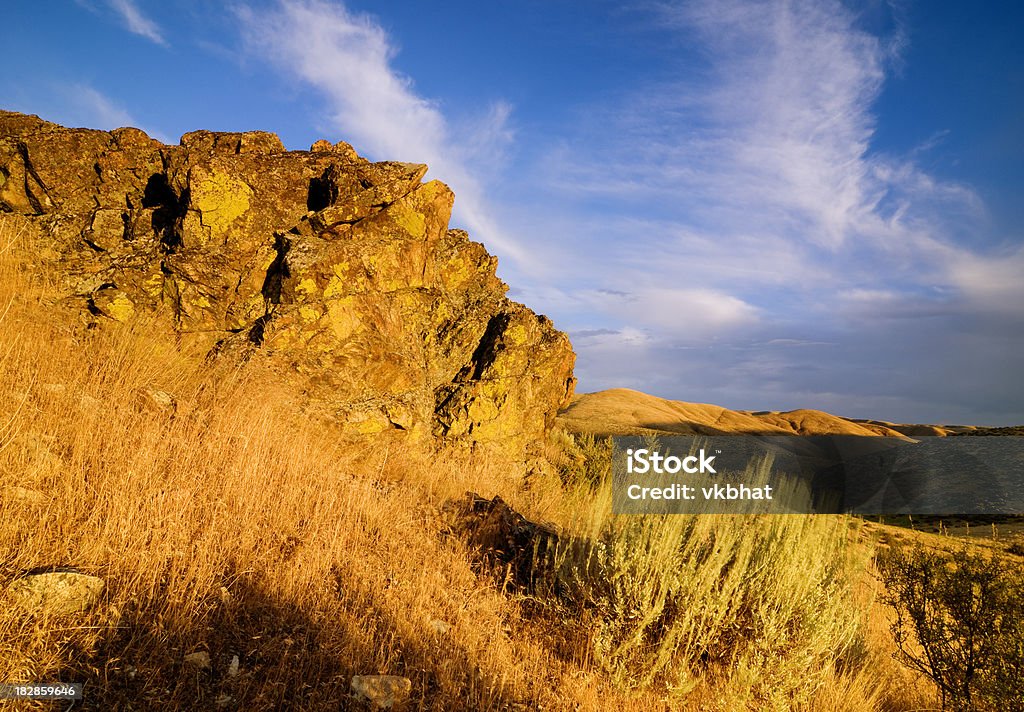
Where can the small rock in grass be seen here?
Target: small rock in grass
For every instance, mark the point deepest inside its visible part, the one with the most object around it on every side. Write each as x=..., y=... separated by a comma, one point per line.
x=383, y=691
x=24, y=495
x=440, y=627
x=199, y=660
x=158, y=401
x=88, y=402
x=56, y=592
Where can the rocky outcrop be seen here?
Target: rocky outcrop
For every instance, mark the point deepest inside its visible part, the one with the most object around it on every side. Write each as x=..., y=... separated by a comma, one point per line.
x=343, y=269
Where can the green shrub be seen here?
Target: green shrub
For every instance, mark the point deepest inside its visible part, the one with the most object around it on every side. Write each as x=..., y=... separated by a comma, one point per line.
x=960, y=621
x=764, y=600
x=583, y=458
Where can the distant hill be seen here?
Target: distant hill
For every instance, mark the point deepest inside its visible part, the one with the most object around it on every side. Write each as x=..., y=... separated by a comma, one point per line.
x=621, y=411
x=1012, y=430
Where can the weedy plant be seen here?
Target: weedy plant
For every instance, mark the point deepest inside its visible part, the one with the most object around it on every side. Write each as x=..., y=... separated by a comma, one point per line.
x=764, y=599
x=960, y=621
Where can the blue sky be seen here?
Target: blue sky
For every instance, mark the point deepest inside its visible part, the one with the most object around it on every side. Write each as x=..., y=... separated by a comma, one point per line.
x=763, y=205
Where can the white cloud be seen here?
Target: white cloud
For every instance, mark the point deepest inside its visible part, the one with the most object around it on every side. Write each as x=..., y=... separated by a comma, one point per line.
x=792, y=87
x=136, y=22
x=348, y=58
x=758, y=170
x=770, y=145
x=753, y=180
x=993, y=284
x=79, y=104
x=685, y=314
x=82, y=104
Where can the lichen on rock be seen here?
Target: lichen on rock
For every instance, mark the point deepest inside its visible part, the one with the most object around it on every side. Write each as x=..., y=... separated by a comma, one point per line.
x=346, y=271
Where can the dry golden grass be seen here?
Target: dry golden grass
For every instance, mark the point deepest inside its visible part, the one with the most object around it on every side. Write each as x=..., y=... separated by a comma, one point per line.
x=234, y=526
x=238, y=525
x=621, y=411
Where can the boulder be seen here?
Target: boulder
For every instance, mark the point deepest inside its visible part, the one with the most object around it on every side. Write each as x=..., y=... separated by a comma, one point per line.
x=343, y=271
x=58, y=592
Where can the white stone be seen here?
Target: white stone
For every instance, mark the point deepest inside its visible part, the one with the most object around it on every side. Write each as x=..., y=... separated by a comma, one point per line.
x=24, y=495
x=440, y=627
x=158, y=400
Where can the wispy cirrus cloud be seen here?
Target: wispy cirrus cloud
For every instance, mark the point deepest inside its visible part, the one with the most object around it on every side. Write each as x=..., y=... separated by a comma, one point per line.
x=753, y=182
x=348, y=58
x=85, y=105
x=772, y=138
x=136, y=22
x=80, y=104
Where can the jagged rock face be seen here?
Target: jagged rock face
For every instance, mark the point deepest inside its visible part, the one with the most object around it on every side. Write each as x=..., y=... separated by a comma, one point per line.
x=344, y=269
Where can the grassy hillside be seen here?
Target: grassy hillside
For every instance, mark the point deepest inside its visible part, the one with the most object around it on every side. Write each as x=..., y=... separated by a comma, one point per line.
x=621, y=411
x=236, y=523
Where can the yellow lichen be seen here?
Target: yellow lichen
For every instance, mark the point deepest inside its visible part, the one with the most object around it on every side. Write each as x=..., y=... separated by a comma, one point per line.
x=335, y=286
x=221, y=199
x=308, y=314
x=119, y=308
x=154, y=285
x=408, y=218
x=515, y=336
x=307, y=286
x=482, y=409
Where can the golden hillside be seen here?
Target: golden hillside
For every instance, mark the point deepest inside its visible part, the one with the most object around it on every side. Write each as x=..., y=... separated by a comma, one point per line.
x=247, y=559
x=621, y=411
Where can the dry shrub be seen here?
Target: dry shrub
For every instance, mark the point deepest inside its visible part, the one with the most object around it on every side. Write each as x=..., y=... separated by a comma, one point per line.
x=679, y=598
x=960, y=621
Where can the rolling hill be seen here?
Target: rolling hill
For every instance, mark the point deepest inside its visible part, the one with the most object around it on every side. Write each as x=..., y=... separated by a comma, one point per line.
x=621, y=411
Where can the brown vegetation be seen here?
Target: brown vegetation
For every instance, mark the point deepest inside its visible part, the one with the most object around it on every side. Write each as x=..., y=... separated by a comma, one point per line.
x=232, y=523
